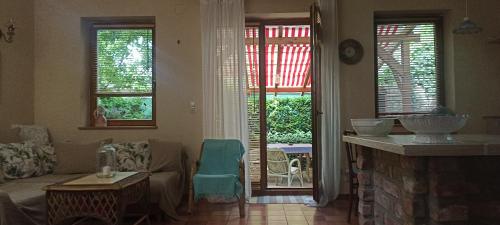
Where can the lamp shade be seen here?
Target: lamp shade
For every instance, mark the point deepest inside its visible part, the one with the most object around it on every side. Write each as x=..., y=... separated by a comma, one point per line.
x=467, y=27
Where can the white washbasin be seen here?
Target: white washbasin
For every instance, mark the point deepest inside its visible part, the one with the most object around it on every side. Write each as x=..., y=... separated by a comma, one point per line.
x=433, y=128
x=373, y=126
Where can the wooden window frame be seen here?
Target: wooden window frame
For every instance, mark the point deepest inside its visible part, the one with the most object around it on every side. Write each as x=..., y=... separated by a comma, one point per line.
x=437, y=20
x=94, y=27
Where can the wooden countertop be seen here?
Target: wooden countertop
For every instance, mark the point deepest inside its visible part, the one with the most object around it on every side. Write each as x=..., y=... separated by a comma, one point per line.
x=462, y=145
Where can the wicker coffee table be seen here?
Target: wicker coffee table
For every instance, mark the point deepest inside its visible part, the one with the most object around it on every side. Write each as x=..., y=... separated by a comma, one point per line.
x=68, y=201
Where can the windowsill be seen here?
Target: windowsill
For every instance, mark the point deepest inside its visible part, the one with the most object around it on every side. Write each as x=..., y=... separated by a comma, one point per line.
x=119, y=128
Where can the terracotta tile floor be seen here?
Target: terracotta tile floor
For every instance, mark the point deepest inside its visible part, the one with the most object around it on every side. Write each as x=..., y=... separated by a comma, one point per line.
x=266, y=214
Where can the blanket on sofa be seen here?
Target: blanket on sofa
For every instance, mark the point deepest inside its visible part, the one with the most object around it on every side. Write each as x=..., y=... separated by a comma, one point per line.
x=17, y=214
x=22, y=201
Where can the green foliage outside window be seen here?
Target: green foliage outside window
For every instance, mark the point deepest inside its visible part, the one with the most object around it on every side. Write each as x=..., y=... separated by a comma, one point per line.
x=127, y=108
x=422, y=72
x=422, y=57
x=125, y=66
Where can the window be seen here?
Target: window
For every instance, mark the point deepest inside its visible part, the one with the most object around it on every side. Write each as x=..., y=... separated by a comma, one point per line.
x=123, y=73
x=408, y=65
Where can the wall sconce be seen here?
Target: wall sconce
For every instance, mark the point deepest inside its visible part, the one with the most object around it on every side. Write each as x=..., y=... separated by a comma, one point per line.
x=11, y=28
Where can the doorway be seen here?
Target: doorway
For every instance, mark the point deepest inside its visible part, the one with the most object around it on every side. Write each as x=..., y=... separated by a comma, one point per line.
x=280, y=106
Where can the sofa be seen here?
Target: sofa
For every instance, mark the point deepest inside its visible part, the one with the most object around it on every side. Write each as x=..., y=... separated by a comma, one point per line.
x=22, y=200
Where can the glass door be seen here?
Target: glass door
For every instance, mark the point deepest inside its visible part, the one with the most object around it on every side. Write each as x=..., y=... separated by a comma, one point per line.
x=280, y=106
x=288, y=106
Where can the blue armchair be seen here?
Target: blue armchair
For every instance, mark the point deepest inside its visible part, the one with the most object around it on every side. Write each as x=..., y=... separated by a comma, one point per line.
x=219, y=172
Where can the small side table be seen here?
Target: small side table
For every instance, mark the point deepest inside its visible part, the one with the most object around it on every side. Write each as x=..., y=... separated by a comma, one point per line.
x=106, y=202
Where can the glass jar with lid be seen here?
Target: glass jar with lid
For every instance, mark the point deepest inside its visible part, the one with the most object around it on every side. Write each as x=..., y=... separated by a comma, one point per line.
x=106, y=162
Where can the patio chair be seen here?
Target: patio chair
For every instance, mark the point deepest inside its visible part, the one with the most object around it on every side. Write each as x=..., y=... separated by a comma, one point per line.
x=219, y=172
x=278, y=165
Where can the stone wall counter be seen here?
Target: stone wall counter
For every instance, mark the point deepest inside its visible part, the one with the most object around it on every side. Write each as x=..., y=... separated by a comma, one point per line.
x=403, y=183
x=461, y=145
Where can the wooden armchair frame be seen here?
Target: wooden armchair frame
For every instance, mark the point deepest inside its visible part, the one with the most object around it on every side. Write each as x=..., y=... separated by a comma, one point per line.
x=194, y=168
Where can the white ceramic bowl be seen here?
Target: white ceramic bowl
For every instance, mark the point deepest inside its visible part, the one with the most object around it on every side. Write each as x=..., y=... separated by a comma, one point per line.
x=433, y=128
x=372, y=127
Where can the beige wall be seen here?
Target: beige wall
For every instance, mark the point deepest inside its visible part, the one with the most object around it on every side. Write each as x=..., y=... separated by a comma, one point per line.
x=477, y=67
x=277, y=6
x=16, y=68
x=61, y=74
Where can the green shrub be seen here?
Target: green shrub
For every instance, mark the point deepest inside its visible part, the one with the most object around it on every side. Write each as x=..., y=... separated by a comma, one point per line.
x=289, y=119
x=289, y=115
x=290, y=138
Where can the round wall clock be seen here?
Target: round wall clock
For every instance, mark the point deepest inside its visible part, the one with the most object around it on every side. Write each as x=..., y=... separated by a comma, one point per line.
x=350, y=51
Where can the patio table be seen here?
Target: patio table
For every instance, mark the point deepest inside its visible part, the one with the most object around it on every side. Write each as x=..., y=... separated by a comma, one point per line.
x=293, y=148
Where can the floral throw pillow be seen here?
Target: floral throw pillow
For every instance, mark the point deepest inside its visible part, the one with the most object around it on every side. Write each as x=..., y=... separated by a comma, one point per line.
x=18, y=160
x=47, y=156
x=37, y=134
x=132, y=156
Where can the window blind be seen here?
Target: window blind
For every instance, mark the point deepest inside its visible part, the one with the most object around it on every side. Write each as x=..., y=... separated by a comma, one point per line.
x=408, y=67
x=122, y=72
x=124, y=60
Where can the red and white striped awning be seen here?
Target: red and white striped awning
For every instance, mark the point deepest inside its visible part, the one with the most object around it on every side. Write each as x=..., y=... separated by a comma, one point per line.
x=288, y=58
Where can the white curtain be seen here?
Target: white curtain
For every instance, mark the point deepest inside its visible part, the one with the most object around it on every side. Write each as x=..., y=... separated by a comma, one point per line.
x=224, y=78
x=330, y=92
